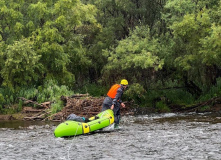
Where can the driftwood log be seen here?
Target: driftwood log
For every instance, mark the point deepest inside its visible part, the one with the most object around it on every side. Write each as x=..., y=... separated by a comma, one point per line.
x=39, y=116
x=41, y=105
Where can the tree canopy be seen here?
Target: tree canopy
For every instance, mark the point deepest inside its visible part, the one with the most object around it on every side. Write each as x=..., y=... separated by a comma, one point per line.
x=76, y=42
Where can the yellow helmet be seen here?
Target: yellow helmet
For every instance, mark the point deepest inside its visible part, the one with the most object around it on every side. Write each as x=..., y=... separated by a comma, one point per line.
x=124, y=82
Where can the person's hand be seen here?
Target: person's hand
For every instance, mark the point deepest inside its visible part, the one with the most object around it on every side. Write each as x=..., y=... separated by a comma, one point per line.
x=112, y=107
x=123, y=105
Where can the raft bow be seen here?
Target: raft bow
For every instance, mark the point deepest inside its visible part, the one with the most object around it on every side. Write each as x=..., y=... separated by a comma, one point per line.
x=73, y=128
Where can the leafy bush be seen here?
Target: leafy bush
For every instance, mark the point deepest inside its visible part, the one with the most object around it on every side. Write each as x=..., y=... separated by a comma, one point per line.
x=56, y=107
x=135, y=92
x=8, y=96
x=28, y=92
x=21, y=64
x=214, y=91
x=2, y=100
x=170, y=91
x=49, y=91
x=162, y=107
x=95, y=90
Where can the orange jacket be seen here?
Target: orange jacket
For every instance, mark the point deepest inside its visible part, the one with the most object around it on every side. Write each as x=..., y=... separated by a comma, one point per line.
x=113, y=91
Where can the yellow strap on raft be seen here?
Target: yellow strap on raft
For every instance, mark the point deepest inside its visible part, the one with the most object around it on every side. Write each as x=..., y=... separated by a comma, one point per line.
x=86, y=128
x=92, y=118
x=111, y=120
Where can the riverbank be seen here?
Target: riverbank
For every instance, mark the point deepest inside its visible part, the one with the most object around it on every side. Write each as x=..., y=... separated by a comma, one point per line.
x=87, y=106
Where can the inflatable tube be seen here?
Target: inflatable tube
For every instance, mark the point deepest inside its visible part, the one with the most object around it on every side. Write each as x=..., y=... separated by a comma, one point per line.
x=73, y=128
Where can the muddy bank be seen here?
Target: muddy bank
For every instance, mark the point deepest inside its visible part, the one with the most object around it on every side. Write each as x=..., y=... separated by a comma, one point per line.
x=87, y=106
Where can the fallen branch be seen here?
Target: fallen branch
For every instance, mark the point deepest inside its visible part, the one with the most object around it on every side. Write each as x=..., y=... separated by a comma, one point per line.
x=27, y=101
x=40, y=116
x=43, y=105
x=79, y=95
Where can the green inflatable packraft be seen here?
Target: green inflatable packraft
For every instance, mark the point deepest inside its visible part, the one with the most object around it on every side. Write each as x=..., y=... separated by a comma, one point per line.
x=73, y=128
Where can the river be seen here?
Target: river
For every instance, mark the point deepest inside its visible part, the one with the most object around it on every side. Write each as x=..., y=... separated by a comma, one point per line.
x=151, y=137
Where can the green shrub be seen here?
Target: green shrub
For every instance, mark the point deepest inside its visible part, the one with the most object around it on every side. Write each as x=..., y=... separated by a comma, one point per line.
x=28, y=92
x=49, y=91
x=162, y=107
x=20, y=104
x=214, y=91
x=204, y=108
x=136, y=93
x=95, y=90
x=2, y=100
x=171, y=90
x=56, y=107
x=8, y=96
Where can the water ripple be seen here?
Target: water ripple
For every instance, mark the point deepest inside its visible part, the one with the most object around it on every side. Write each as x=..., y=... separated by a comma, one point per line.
x=165, y=136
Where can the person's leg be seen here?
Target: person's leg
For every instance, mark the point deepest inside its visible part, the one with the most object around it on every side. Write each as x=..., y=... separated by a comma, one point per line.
x=116, y=114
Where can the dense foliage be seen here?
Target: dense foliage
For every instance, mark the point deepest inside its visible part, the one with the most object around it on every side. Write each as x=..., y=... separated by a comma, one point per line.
x=165, y=48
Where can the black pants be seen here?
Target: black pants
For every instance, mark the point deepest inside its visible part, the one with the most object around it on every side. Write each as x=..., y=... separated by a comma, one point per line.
x=107, y=105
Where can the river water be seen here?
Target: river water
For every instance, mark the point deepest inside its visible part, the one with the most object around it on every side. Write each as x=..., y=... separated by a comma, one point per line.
x=152, y=137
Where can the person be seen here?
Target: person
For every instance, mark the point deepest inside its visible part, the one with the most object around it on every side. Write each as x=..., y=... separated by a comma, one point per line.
x=113, y=100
